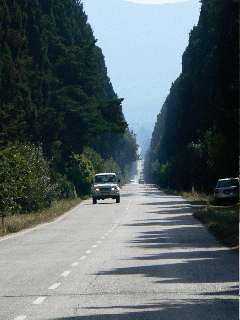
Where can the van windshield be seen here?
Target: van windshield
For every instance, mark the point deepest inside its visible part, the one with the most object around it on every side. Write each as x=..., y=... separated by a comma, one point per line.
x=105, y=178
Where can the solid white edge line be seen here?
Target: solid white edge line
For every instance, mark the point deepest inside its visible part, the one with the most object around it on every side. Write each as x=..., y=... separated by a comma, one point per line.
x=20, y=318
x=42, y=225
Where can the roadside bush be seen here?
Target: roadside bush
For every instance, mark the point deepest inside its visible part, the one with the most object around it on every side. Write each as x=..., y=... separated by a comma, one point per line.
x=95, y=159
x=81, y=173
x=64, y=189
x=223, y=222
x=25, y=184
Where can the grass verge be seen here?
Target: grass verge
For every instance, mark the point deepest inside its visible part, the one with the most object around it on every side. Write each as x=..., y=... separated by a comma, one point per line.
x=222, y=221
x=16, y=223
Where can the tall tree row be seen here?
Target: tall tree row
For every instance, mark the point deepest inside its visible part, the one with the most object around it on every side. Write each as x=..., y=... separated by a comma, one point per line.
x=55, y=94
x=195, y=140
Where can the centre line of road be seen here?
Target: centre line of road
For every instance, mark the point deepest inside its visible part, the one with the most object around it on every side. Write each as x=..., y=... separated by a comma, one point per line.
x=39, y=300
x=74, y=264
x=54, y=286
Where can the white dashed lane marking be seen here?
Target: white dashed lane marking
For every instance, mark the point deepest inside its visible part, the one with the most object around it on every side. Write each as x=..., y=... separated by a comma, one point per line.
x=74, y=264
x=65, y=273
x=39, y=300
x=54, y=286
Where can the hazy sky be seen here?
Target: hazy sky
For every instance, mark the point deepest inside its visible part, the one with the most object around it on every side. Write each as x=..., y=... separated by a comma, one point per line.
x=143, y=42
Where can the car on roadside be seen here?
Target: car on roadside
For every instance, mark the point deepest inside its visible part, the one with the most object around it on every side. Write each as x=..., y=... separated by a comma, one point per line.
x=133, y=182
x=105, y=185
x=226, y=190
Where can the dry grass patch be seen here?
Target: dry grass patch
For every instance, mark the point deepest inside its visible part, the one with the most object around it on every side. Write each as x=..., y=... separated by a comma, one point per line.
x=222, y=221
x=16, y=223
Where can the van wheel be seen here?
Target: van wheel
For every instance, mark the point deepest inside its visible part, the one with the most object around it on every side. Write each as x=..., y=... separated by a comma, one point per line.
x=94, y=200
x=118, y=199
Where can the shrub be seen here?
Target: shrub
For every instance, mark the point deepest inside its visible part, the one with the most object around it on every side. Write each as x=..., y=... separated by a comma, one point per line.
x=223, y=222
x=25, y=183
x=64, y=188
x=81, y=174
x=95, y=159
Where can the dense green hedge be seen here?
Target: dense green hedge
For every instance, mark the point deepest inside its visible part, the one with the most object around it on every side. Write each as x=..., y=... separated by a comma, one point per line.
x=25, y=182
x=28, y=183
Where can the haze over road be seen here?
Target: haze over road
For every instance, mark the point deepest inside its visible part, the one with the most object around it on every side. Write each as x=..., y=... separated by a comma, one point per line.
x=145, y=258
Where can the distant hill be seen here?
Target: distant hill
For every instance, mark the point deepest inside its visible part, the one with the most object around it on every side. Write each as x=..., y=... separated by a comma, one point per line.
x=143, y=139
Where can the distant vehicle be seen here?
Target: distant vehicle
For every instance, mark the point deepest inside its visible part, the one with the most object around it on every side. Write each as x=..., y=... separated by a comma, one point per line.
x=133, y=182
x=105, y=185
x=226, y=189
x=141, y=181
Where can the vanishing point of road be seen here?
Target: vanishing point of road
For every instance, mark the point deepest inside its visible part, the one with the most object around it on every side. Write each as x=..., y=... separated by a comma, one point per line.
x=144, y=258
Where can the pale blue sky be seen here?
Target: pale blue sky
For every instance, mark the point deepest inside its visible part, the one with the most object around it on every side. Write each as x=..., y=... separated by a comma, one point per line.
x=143, y=42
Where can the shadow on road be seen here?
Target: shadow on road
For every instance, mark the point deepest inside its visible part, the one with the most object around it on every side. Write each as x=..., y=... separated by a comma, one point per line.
x=187, y=255
x=166, y=310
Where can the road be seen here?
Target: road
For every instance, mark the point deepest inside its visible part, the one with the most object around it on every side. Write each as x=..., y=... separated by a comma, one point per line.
x=145, y=258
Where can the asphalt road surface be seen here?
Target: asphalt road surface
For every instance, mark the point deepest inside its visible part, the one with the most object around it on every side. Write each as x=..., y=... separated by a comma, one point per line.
x=144, y=258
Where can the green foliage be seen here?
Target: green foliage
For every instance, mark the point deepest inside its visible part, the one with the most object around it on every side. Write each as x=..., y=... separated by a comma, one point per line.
x=64, y=189
x=54, y=92
x=54, y=84
x=25, y=183
x=224, y=223
x=126, y=149
x=112, y=166
x=96, y=160
x=81, y=173
x=197, y=129
x=121, y=148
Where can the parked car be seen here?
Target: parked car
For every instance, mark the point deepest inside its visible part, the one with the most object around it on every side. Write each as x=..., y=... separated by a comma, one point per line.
x=105, y=185
x=133, y=182
x=226, y=190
